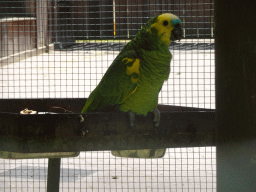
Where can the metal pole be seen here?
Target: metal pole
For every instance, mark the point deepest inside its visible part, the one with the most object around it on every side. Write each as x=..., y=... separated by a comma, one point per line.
x=235, y=45
x=53, y=178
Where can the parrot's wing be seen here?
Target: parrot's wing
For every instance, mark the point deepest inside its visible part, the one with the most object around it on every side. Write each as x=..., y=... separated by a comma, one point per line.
x=118, y=83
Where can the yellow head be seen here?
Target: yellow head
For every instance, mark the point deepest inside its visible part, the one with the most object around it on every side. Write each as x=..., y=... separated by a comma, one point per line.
x=168, y=26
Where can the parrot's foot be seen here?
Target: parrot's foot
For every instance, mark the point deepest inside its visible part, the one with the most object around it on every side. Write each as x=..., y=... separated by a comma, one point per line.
x=156, y=113
x=131, y=118
x=81, y=118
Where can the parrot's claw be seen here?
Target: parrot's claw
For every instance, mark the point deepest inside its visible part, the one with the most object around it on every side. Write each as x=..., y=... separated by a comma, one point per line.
x=81, y=118
x=131, y=118
x=156, y=113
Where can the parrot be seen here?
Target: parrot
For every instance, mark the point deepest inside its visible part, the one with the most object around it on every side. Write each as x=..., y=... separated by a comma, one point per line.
x=134, y=79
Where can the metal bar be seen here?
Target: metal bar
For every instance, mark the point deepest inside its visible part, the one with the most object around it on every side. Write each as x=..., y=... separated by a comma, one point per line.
x=105, y=131
x=71, y=104
x=235, y=96
x=53, y=178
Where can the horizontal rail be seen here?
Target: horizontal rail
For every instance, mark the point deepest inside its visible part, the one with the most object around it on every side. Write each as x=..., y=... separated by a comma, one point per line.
x=60, y=130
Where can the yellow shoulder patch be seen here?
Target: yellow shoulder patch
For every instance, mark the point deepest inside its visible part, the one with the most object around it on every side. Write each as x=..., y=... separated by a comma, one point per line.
x=128, y=60
x=133, y=70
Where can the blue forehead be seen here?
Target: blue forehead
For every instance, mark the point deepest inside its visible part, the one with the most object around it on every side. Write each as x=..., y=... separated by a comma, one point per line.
x=175, y=21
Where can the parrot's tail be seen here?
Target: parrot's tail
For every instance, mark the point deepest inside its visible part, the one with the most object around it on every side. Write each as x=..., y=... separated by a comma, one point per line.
x=86, y=106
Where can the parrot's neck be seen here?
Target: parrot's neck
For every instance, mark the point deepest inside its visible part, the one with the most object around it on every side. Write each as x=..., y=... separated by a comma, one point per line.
x=146, y=40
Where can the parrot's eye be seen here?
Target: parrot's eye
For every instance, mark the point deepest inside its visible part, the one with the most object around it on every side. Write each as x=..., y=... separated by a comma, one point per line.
x=165, y=23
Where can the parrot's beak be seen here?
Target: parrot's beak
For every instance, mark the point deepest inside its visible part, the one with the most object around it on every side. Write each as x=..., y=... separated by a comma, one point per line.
x=176, y=32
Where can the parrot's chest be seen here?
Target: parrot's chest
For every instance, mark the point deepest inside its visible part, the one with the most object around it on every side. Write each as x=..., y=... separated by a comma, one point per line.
x=154, y=69
x=145, y=96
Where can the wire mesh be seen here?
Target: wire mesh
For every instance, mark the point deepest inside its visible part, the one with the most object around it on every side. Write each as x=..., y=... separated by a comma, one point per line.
x=83, y=53
x=181, y=169
x=61, y=49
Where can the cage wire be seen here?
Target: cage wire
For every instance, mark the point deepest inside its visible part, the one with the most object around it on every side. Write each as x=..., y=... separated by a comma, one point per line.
x=61, y=49
x=181, y=169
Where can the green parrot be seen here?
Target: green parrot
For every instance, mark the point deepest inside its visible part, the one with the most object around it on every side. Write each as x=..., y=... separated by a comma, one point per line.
x=135, y=78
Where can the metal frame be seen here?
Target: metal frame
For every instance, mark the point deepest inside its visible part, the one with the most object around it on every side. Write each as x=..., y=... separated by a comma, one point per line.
x=235, y=96
x=63, y=132
x=53, y=178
